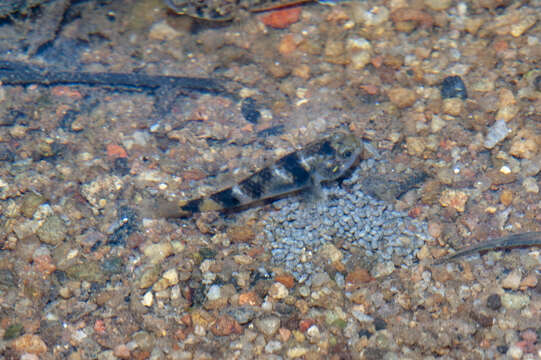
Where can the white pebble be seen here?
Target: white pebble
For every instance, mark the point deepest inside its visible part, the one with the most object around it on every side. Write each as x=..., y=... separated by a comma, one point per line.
x=496, y=133
x=530, y=185
x=515, y=352
x=148, y=299
x=214, y=292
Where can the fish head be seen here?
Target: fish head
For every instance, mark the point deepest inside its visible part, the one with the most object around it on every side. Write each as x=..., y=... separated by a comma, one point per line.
x=338, y=153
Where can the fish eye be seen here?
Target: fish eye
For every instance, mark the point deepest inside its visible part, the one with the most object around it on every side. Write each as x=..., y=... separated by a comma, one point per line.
x=348, y=153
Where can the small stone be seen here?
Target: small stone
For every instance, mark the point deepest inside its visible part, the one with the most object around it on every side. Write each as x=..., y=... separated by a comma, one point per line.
x=515, y=352
x=287, y=44
x=472, y=24
x=369, y=17
x=537, y=83
x=277, y=69
x=506, y=197
x=18, y=131
x=88, y=271
x=144, y=340
x=494, y=302
x=302, y=71
x=242, y=314
x=249, y=110
x=423, y=253
x=268, y=325
x=149, y=277
x=313, y=334
x=52, y=231
x=356, y=278
x=523, y=25
x=453, y=106
x=278, y=291
x=273, y=347
x=438, y=5
x=225, y=325
x=530, y=185
x=334, y=49
x=402, y=97
x=31, y=202
x=512, y=281
x=331, y=252
x=507, y=113
x=415, y=145
x=162, y=31
x=455, y=199
x=241, y=234
x=29, y=343
x=437, y=123
x=453, y=87
x=214, y=292
x=383, y=269
x=122, y=351
x=44, y=263
x=249, y=298
x=64, y=292
x=304, y=324
x=28, y=356
x=515, y=301
x=524, y=145
x=243, y=259
x=282, y=18
x=171, y=276
x=379, y=324
x=284, y=334
x=360, y=60
x=287, y=280
x=148, y=299
x=296, y=352
x=530, y=281
x=505, y=170
x=496, y=133
x=158, y=252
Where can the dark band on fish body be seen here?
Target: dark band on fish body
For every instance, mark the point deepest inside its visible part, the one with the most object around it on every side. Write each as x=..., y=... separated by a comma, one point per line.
x=291, y=164
x=226, y=198
x=265, y=175
x=192, y=206
x=326, y=148
x=252, y=188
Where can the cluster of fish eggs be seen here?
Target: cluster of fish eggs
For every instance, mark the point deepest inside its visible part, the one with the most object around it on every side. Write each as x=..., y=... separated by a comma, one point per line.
x=354, y=222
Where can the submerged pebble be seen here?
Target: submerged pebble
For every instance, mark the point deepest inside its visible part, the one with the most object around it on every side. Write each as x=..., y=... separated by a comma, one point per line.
x=453, y=87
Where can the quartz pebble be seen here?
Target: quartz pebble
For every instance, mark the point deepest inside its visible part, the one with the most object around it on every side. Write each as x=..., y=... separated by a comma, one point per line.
x=512, y=281
x=278, y=291
x=496, y=133
x=402, y=97
x=515, y=301
x=268, y=325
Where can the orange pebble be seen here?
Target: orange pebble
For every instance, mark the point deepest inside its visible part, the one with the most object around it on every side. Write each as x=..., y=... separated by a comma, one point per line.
x=305, y=324
x=99, y=327
x=116, y=151
x=287, y=44
x=282, y=18
x=66, y=91
x=249, y=298
x=287, y=280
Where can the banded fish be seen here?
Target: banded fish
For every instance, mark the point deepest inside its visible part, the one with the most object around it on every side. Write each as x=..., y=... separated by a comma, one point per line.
x=319, y=162
x=225, y=10
x=506, y=242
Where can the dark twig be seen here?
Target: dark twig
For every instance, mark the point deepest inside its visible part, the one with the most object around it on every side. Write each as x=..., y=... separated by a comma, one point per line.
x=20, y=73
